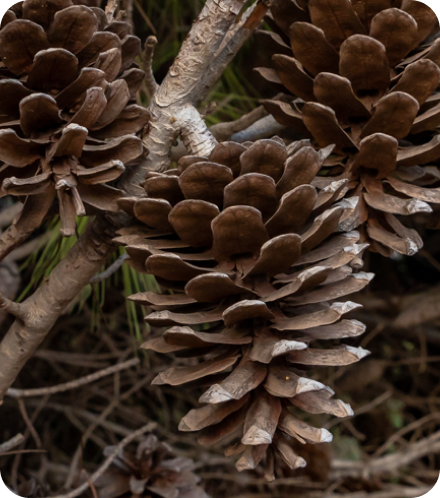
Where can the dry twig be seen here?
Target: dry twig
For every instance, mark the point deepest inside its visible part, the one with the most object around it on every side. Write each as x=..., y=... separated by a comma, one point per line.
x=12, y=443
x=109, y=460
x=74, y=384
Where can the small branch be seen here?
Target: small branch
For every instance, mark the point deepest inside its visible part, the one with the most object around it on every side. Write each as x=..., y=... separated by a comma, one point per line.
x=12, y=443
x=109, y=460
x=74, y=384
x=12, y=308
x=145, y=17
x=388, y=463
x=147, y=62
x=29, y=423
x=224, y=131
x=264, y=128
x=110, y=270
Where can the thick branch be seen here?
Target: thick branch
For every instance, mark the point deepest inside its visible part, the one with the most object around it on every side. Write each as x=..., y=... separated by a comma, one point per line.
x=173, y=106
x=40, y=311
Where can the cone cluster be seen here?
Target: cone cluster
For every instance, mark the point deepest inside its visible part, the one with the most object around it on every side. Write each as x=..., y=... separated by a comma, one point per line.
x=68, y=115
x=365, y=77
x=257, y=260
x=152, y=471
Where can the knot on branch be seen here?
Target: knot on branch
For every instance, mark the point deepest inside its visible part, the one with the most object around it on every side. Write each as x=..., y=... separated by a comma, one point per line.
x=12, y=308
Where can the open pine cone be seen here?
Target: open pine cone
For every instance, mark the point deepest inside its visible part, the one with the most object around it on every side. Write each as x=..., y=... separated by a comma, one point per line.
x=67, y=84
x=365, y=75
x=152, y=471
x=249, y=248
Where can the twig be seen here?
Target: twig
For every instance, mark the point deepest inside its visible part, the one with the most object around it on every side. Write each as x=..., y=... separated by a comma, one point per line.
x=74, y=384
x=147, y=63
x=224, y=131
x=410, y=427
x=388, y=463
x=264, y=128
x=22, y=452
x=109, y=460
x=29, y=423
x=110, y=270
x=364, y=409
x=146, y=18
x=88, y=433
x=12, y=443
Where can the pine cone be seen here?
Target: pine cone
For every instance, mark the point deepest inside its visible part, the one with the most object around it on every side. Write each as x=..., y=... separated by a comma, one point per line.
x=67, y=83
x=365, y=76
x=250, y=249
x=153, y=471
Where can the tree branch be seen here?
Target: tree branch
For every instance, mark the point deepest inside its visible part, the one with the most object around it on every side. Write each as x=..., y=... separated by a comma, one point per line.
x=40, y=311
x=224, y=131
x=74, y=384
x=263, y=128
x=173, y=108
x=109, y=460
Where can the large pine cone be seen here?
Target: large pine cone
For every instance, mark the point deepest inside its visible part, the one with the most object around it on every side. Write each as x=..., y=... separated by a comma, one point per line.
x=67, y=83
x=251, y=253
x=365, y=76
x=152, y=471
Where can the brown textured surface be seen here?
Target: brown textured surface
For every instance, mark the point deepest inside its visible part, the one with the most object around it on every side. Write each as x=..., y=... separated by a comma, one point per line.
x=254, y=255
x=365, y=75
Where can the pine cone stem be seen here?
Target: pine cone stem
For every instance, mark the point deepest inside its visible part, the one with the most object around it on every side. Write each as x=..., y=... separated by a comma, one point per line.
x=148, y=56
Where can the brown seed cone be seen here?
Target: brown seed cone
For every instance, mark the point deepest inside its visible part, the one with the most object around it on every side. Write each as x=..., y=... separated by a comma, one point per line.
x=152, y=471
x=250, y=249
x=67, y=84
x=365, y=76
